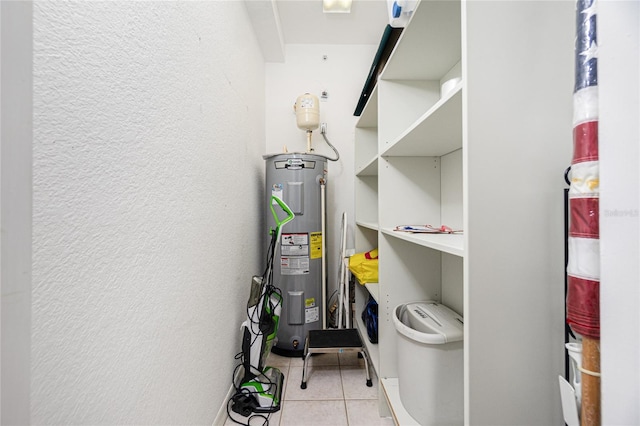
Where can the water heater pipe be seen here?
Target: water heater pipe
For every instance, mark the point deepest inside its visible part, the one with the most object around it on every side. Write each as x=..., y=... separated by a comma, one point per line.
x=309, y=134
x=324, y=257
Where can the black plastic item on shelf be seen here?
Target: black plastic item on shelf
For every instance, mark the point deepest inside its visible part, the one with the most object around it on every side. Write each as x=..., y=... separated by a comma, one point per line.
x=388, y=42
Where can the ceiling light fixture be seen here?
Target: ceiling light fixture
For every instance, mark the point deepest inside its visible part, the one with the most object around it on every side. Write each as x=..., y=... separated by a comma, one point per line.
x=336, y=6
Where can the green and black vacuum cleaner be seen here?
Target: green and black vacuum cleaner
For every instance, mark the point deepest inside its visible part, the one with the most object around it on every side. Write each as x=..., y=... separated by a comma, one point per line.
x=260, y=388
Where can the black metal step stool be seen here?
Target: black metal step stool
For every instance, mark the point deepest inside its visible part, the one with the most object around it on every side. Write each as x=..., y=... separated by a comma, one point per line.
x=333, y=340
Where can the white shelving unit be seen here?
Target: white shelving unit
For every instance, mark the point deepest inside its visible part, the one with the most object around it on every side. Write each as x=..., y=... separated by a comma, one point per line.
x=486, y=158
x=366, y=200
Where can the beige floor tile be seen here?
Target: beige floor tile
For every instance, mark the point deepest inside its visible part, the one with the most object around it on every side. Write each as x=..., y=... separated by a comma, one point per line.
x=285, y=372
x=275, y=360
x=314, y=413
x=336, y=393
x=350, y=359
x=364, y=412
x=322, y=383
x=317, y=360
x=354, y=383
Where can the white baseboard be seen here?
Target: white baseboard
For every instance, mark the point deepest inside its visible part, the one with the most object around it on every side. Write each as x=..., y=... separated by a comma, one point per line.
x=222, y=415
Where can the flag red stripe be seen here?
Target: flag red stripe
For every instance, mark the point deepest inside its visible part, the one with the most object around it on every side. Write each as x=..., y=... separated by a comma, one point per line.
x=585, y=217
x=583, y=306
x=585, y=142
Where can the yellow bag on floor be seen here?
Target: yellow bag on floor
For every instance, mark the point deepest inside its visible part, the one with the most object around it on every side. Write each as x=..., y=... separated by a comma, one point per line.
x=364, y=266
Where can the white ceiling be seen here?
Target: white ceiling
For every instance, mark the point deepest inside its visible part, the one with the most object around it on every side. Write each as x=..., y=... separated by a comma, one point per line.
x=303, y=22
x=280, y=22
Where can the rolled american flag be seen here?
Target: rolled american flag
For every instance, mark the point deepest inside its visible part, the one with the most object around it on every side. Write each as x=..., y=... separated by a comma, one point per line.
x=583, y=269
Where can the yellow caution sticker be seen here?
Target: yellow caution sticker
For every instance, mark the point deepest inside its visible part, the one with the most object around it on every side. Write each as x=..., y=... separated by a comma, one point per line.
x=310, y=302
x=316, y=245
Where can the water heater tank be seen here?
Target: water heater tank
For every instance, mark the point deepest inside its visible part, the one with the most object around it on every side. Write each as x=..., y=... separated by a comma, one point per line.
x=297, y=269
x=307, y=110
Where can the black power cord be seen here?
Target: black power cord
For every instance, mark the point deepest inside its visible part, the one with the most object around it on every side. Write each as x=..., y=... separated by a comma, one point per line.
x=263, y=323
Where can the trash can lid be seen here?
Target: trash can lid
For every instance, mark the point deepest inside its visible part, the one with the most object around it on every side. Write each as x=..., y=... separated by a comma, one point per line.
x=429, y=322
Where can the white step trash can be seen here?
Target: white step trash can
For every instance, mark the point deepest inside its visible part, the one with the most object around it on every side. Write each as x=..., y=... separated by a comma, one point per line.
x=430, y=363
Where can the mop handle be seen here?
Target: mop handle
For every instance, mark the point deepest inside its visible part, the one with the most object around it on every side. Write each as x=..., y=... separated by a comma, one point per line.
x=279, y=223
x=285, y=207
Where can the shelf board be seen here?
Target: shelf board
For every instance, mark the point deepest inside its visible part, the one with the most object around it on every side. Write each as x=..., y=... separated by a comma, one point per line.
x=447, y=243
x=392, y=394
x=429, y=46
x=369, y=169
x=372, y=288
x=436, y=133
x=369, y=225
x=369, y=115
x=372, y=348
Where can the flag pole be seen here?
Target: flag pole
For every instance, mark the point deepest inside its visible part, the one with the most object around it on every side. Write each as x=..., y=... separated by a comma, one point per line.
x=590, y=414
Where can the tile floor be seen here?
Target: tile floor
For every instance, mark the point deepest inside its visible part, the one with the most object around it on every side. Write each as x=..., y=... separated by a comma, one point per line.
x=336, y=393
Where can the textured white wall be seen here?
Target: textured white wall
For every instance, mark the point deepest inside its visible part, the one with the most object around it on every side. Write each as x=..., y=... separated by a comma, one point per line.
x=342, y=75
x=147, y=177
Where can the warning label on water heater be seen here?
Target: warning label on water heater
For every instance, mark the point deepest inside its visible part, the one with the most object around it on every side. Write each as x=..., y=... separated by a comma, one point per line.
x=295, y=245
x=316, y=245
x=311, y=315
x=295, y=239
x=300, y=250
x=276, y=191
x=298, y=265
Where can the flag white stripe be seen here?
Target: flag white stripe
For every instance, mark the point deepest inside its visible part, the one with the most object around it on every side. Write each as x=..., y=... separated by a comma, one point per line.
x=584, y=258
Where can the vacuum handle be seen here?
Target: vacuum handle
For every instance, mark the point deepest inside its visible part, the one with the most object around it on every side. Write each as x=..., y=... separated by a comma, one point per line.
x=285, y=207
